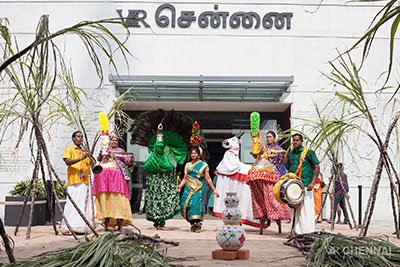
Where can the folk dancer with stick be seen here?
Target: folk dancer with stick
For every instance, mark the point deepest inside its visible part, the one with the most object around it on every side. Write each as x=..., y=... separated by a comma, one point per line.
x=303, y=161
x=78, y=164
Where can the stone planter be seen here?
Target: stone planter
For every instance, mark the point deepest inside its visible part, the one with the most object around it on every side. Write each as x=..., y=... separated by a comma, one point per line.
x=14, y=206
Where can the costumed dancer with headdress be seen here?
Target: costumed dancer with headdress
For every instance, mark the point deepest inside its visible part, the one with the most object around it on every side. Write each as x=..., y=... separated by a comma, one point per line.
x=231, y=173
x=110, y=186
x=166, y=133
x=196, y=174
x=262, y=177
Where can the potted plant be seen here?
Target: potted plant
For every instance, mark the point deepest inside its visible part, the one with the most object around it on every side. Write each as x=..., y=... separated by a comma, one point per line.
x=15, y=201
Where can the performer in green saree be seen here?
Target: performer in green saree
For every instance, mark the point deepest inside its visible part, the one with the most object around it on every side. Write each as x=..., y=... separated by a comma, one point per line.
x=192, y=202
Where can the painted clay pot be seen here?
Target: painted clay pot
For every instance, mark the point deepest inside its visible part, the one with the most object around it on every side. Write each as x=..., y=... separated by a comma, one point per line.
x=231, y=235
x=231, y=214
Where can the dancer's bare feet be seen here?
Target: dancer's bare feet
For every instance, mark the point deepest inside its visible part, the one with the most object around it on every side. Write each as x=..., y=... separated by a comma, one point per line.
x=197, y=227
x=106, y=223
x=262, y=223
x=119, y=224
x=278, y=222
x=161, y=226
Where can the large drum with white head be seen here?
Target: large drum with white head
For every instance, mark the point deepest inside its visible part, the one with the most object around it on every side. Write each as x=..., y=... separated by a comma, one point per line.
x=289, y=191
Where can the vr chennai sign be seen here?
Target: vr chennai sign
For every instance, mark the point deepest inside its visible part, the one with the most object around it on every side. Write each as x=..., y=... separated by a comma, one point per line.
x=166, y=16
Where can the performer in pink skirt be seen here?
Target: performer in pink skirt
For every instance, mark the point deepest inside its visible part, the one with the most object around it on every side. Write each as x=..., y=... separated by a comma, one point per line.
x=111, y=187
x=264, y=173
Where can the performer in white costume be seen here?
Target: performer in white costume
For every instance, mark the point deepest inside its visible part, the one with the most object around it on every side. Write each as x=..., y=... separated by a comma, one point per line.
x=231, y=175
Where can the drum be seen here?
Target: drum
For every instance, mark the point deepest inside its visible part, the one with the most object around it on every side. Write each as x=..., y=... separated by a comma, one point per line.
x=289, y=191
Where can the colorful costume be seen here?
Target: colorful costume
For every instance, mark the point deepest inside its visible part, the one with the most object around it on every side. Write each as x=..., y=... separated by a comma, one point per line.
x=78, y=189
x=261, y=178
x=263, y=175
x=167, y=142
x=231, y=175
x=112, y=190
x=192, y=202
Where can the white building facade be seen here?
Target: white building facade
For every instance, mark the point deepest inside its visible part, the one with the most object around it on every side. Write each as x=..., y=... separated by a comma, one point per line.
x=218, y=60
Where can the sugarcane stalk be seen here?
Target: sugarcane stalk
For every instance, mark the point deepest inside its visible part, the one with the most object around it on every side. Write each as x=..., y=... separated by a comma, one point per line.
x=393, y=192
x=334, y=177
x=34, y=174
x=32, y=206
x=48, y=195
x=372, y=198
x=53, y=188
x=6, y=242
x=396, y=225
x=378, y=173
x=91, y=165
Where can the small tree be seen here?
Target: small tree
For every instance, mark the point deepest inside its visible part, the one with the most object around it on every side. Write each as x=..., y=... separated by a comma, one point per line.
x=37, y=74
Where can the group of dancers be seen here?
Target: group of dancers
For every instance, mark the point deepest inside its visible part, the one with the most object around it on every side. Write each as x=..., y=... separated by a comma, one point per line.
x=168, y=136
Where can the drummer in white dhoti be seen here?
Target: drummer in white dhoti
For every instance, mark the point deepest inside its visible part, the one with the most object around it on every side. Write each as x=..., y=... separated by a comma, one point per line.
x=231, y=174
x=303, y=161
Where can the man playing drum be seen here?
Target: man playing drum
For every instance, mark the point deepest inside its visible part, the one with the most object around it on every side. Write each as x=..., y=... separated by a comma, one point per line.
x=303, y=219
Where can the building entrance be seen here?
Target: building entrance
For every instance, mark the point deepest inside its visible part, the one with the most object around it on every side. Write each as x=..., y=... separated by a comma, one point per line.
x=216, y=126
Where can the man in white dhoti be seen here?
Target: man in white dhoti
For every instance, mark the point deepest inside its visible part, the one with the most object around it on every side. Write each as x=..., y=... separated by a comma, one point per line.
x=78, y=164
x=304, y=159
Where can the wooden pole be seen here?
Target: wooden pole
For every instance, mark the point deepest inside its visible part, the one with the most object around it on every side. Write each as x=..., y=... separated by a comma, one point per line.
x=6, y=242
x=48, y=195
x=378, y=174
x=32, y=207
x=34, y=174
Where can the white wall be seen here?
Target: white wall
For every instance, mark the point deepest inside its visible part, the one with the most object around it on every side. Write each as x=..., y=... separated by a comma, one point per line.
x=302, y=51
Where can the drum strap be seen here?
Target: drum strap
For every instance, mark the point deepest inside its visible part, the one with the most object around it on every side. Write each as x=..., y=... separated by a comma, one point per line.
x=302, y=158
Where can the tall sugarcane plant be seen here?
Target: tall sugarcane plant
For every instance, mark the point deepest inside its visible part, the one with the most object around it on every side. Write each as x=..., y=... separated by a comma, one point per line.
x=330, y=135
x=350, y=93
x=70, y=109
x=38, y=82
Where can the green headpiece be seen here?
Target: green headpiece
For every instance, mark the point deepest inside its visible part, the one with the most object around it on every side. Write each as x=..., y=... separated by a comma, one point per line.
x=254, y=123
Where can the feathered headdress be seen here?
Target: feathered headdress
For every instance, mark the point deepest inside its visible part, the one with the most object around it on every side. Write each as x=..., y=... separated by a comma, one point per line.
x=175, y=130
x=274, y=127
x=146, y=125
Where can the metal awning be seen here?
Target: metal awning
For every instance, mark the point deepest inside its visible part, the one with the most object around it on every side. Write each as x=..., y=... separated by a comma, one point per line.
x=204, y=88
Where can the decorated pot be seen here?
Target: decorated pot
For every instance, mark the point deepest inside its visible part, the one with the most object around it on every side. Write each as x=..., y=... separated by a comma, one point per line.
x=231, y=235
x=231, y=214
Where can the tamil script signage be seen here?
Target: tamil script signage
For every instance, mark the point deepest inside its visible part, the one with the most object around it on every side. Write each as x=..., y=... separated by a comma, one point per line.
x=166, y=16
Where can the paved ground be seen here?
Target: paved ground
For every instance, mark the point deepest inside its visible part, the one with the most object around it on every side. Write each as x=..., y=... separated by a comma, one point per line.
x=265, y=250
